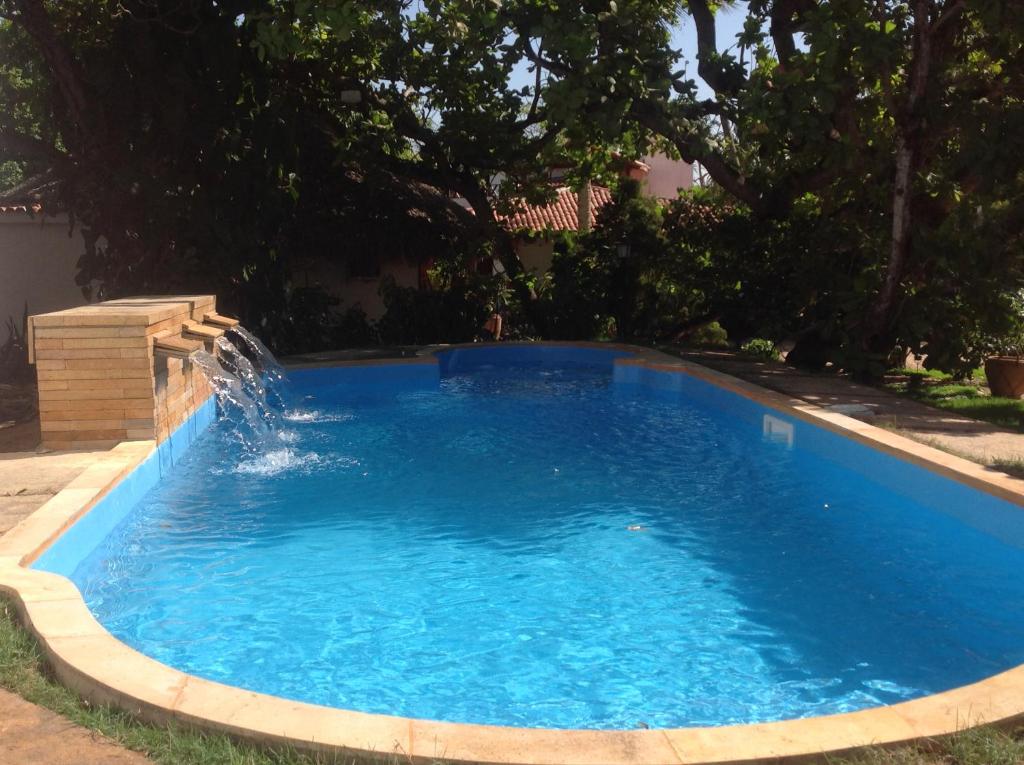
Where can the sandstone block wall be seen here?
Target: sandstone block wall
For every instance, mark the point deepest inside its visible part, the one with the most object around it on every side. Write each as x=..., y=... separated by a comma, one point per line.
x=100, y=380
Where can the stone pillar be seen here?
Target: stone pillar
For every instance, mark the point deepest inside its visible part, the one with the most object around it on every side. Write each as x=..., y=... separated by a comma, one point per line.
x=100, y=379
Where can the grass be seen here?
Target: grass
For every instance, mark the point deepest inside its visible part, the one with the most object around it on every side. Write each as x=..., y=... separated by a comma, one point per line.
x=969, y=398
x=23, y=671
x=976, y=746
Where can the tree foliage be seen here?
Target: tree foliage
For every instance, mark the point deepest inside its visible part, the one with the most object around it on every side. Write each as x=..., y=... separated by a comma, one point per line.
x=870, y=151
x=214, y=145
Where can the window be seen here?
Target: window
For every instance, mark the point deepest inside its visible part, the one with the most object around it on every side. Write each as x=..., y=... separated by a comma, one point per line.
x=365, y=265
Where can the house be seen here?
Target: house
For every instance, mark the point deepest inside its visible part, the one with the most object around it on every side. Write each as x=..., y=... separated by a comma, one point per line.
x=536, y=226
x=394, y=230
x=39, y=252
x=357, y=283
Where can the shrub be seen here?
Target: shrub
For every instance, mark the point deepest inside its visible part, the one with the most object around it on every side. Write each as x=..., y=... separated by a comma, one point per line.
x=14, y=366
x=621, y=277
x=574, y=301
x=354, y=330
x=760, y=348
x=453, y=313
x=710, y=335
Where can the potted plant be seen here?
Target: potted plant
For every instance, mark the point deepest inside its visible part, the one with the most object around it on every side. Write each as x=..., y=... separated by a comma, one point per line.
x=1004, y=367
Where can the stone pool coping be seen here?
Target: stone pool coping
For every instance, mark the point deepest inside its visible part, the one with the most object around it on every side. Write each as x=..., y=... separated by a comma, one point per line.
x=98, y=666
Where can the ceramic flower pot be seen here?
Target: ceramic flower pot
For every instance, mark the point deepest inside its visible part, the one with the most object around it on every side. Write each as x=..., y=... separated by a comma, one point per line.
x=1005, y=376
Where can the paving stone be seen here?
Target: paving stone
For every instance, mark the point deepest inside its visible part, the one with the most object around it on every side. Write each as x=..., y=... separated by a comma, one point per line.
x=41, y=473
x=31, y=735
x=13, y=509
x=972, y=439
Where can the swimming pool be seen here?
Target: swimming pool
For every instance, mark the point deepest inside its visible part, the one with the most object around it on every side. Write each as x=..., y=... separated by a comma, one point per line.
x=542, y=537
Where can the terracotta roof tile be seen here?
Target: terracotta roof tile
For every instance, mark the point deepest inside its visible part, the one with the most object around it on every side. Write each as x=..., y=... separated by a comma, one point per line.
x=33, y=207
x=560, y=215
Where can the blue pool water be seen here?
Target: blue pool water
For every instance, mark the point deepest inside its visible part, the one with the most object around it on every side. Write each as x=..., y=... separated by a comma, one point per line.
x=531, y=540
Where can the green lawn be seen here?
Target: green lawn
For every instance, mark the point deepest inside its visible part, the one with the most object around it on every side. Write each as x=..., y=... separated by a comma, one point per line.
x=23, y=671
x=978, y=746
x=969, y=398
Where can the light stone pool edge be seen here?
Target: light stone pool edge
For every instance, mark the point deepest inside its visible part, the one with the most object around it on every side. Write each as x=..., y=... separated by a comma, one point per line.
x=102, y=669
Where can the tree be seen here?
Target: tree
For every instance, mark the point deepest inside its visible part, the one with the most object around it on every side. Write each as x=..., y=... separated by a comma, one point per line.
x=195, y=162
x=154, y=121
x=425, y=91
x=868, y=108
x=884, y=126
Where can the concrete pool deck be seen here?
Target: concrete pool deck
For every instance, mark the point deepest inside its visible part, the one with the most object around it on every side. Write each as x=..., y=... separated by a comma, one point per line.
x=31, y=735
x=91, y=661
x=29, y=479
x=972, y=439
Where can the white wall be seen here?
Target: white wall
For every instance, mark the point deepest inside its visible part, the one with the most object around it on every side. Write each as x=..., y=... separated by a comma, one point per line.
x=357, y=291
x=667, y=176
x=37, y=265
x=536, y=255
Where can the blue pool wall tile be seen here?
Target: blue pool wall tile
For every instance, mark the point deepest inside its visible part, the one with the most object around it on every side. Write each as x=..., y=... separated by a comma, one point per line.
x=985, y=512
x=992, y=515
x=367, y=377
x=460, y=360
x=671, y=385
x=75, y=544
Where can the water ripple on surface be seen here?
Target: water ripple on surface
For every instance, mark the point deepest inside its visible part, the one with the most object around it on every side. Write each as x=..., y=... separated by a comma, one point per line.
x=277, y=461
x=315, y=415
x=540, y=548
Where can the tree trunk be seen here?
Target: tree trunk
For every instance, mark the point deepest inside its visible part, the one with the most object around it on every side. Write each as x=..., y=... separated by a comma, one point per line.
x=504, y=249
x=877, y=337
x=64, y=69
x=583, y=208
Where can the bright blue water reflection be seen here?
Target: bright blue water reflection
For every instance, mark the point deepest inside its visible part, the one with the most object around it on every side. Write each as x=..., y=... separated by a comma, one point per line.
x=530, y=543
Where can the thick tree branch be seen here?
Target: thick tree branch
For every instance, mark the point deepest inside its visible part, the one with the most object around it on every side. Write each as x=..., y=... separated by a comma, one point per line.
x=708, y=58
x=33, y=18
x=949, y=13
x=909, y=123
x=781, y=30
x=35, y=187
x=14, y=146
x=538, y=60
x=717, y=167
x=538, y=82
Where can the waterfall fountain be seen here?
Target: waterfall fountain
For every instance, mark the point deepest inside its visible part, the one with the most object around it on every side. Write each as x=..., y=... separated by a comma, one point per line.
x=143, y=354
x=234, y=361
x=252, y=396
x=275, y=377
x=254, y=432
x=270, y=364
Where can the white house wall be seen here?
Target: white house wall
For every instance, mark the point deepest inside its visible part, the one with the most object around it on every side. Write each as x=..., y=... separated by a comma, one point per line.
x=38, y=262
x=537, y=255
x=667, y=176
x=361, y=292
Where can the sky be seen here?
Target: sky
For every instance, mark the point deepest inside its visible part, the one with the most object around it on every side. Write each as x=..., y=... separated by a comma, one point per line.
x=729, y=23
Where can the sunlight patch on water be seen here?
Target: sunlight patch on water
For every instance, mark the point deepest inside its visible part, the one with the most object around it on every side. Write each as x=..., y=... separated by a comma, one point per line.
x=292, y=462
x=277, y=461
x=314, y=415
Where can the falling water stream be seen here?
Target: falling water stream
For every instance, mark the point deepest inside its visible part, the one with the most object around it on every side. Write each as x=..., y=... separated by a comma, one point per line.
x=235, y=403
x=250, y=386
x=274, y=376
x=234, y=361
